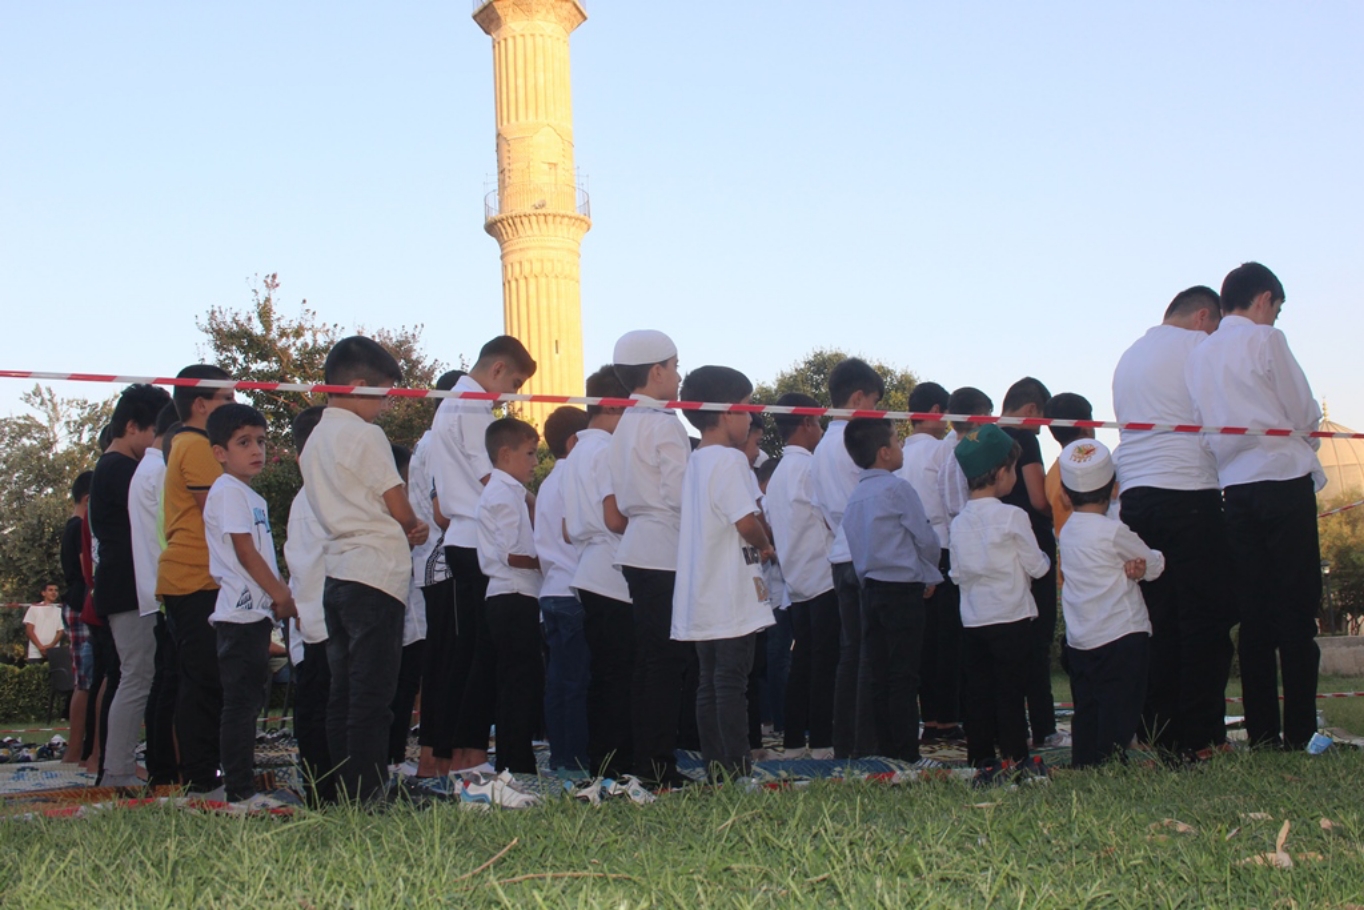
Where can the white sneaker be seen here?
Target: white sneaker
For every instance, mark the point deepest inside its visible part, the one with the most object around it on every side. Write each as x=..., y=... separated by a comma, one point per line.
x=405, y=769
x=500, y=790
x=822, y=754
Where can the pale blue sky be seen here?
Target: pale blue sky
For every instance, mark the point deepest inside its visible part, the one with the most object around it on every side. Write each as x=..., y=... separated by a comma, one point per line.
x=974, y=191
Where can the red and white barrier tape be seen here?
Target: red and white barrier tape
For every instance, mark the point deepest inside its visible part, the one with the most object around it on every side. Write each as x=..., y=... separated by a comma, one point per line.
x=1337, y=511
x=380, y=392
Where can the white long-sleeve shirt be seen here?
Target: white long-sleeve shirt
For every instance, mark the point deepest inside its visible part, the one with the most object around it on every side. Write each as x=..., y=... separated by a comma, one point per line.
x=558, y=557
x=1101, y=604
x=799, y=533
x=458, y=461
x=648, y=459
x=994, y=553
x=144, y=510
x=504, y=530
x=834, y=477
x=924, y=460
x=585, y=486
x=1244, y=375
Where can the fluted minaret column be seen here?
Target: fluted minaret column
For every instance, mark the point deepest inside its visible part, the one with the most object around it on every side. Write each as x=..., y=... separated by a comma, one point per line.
x=538, y=215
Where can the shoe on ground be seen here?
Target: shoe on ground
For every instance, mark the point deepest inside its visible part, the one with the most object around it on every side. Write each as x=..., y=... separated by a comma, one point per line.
x=404, y=769
x=257, y=802
x=927, y=764
x=1032, y=771
x=1055, y=740
x=216, y=795
x=631, y=787
x=825, y=754
x=501, y=790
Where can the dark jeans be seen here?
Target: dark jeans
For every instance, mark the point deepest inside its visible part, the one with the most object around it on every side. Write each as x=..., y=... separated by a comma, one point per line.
x=162, y=767
x=566, y=680
x=660, y=670
x=518, y=665
x=108, y=673
x=940, y=685
x=608, y=627
x=244, y=672
x=814, y=666
x=364, y=651
x=1109, y=687
x=854, y=727
x=1041, y=702
x=722, y=703
x=893, y=643
x=1192, y=610
x=779, y=640
x=1272, y=531
x=199, y=706
x=404, y=697
x=310, y=724
x=757, y=683
x=440, y=697
x=996, y=721
x=475, y=663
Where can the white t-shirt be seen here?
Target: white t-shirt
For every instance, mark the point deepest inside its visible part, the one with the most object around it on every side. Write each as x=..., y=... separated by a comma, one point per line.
x=799, y=533
x=834, y=477
x=994, y=552
x=307, y=571
x=585, y=486
x=234, y=508
x=459, y=461
x=924, y=459
x=46, y=620
x=347, y=468
x=648, y=458
x=1149, y=387
x=428, y=559
x=558, y=557
x=1101, y=604
x=144, y=514
x=720, y=591
x=504, y=529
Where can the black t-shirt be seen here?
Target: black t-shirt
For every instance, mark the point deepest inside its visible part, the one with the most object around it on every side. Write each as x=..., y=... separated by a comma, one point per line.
x=1018, y=496
x=71, y=564
x=115, y=583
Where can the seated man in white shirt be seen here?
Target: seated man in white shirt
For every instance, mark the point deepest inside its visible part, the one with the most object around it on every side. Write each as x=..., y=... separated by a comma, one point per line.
x=1244, y=375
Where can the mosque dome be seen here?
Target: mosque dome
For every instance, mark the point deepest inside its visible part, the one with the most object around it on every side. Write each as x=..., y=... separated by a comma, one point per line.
x=1343, y=462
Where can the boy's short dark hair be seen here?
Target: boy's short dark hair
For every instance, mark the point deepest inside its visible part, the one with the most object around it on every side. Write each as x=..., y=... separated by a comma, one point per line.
x=80, y=487
x=756, y=424
x=402, y=457
x=712, y=383
x=225, y=421
x=166, y=418
x=305, y=421
x=787, y=424
x=106, y=436
x=968, y=400
x=1246, y=282
x=509, y=350
x=184, y=396
x=925, y=397
x=863, y=437
x=447, y=380
x=507, y=432
x=765, y=470
x=852, y=376
x=605, y=383
x=635, y=376
x=981, y=481
x=357, y=359
x=560, y=426
x=1191, y=300
x=1068, y=406
x=1101, y=495
x=1023, y=393
x=139, y=404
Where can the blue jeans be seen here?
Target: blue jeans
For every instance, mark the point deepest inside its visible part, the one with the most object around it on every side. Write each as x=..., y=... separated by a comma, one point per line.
x=566, y=682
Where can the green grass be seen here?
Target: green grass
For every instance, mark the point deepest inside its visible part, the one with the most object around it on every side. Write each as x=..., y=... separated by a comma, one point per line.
x=1086, y=840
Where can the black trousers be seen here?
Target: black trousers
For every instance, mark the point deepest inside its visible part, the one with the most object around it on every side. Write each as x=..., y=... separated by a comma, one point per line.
x=159, y=716
x=409, y=683
x=475, y=663
x=106, y=672
x=440, y=694
x=519, y=670
x=853, y=726
x=757, y=688
x=1109, y=686
x=940, y=681
x=609, y=626
x=997, y=658
x=310, y=723
x=1192, y=608
x=1041, y=702
x=1272, y=531
x=199, y=705
x=244, y=671
x=661, y=667
x=892, y=645
x=814, y=667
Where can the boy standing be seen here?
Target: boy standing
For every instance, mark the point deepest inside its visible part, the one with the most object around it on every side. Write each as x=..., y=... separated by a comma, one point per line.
x=355, y=491
x=77, y=633
x=720, y=600
x=648, y=459
x=251, y=596
x=1108, y=633
x=994, y=554
x=43, y=624
x=1065, y=406
x=895, y=554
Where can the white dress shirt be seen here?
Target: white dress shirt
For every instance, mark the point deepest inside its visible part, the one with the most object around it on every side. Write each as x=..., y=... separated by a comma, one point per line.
x=1149, y=387
x=307, y=571
x=952, y=488
x=1244, y=375
x=924, y=458
x=459, y=461
x=799, y=533
x=834, y=477
x=585, y=486
x=428, y=559
x=1101, y=604
x=504, y=530
x=994, y=553
x=144, y=510
x=558, y=557
x=648, y=459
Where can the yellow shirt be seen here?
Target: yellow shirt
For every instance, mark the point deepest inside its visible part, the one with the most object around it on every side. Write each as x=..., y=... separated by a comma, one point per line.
x=190, y=468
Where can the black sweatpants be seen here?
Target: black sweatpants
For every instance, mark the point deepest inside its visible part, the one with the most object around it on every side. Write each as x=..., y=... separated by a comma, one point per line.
x=199, y=702
x=997, y=658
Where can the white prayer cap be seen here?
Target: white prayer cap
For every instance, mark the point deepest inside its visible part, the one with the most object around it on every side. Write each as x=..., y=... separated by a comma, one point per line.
x=1086, y=465
x=643, y=346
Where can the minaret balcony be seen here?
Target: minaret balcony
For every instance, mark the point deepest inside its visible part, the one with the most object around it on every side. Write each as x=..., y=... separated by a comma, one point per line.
x=536, y=197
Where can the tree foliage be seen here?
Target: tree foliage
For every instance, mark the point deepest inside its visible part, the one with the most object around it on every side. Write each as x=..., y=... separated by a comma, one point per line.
x=810, y=376
x=1342, y=548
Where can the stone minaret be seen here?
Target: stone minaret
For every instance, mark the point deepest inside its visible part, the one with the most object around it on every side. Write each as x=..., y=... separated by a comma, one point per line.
x=538, y=215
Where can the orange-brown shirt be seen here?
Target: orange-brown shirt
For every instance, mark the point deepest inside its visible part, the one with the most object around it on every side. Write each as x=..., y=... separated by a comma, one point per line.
x=190, y=468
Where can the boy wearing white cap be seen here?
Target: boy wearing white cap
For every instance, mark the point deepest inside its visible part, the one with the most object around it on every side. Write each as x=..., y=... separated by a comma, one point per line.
x=1108, y=632
x=647, y=460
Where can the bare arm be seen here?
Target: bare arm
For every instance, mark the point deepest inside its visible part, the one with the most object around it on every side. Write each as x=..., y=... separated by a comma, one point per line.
x=616, y=522
x=442, y=521
x=33, y=637
x=245, y=549
x=1036, y=481
x=417, y=530
x=200, y=497
x=517, y=561
x=750, y=528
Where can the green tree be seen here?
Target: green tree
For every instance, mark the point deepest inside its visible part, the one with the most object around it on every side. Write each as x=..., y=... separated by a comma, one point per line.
x=1342, y=549
x=810, y=376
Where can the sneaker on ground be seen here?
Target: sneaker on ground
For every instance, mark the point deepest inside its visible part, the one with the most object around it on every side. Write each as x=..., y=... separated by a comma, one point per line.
x=405, y=769
x=1053, y=741
x=1033, y=771
x=496, y=790
x=825, y=754
x=927, y=764
x=631, y=786
x=990, y=774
